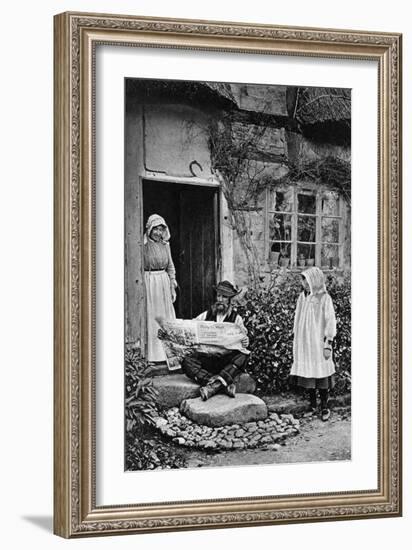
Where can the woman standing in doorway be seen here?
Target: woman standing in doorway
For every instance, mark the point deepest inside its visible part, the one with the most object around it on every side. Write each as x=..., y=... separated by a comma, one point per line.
x=160, y=281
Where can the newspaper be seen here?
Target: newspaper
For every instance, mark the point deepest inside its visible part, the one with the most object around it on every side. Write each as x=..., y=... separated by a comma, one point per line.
x=181, y=338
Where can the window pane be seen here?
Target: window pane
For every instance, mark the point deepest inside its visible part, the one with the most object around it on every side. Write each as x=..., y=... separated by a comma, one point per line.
x=279, y=251
x=281, y=201
x=307, y=229
x=330, y=203
x=306, y=254
x=307, y=204
x=330, y=230
x=280, y=227
x=330, y=256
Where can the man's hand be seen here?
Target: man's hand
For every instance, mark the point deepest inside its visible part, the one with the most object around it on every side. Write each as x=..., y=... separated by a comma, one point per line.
x=245, y=341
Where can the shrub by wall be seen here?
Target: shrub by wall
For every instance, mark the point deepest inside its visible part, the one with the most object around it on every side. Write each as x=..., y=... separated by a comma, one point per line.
x=268, y=313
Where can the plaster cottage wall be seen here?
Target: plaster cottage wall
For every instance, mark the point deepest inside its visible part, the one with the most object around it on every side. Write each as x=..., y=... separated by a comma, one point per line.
x=175, y=136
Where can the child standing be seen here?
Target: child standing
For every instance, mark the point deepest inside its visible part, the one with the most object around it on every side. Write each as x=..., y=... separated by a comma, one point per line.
x=314, y=331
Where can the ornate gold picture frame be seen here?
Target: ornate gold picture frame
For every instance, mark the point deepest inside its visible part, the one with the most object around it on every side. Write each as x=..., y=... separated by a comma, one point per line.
x=77, y=511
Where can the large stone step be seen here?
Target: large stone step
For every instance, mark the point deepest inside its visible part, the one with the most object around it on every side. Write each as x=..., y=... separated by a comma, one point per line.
x=174, y=388
x=221, y=410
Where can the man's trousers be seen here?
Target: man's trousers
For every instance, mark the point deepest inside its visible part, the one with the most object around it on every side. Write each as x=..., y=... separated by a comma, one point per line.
x=201, y=367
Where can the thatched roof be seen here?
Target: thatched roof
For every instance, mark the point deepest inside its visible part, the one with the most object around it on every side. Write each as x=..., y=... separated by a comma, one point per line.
x=221, y=89
x=211, y=94
x=317, y=105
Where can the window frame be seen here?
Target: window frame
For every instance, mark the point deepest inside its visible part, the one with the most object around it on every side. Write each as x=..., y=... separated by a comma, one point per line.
x=310, y=189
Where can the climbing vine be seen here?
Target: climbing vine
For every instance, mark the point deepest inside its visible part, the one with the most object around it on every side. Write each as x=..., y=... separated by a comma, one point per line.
x=240, y=177
x=330, y=171
x=244, y=178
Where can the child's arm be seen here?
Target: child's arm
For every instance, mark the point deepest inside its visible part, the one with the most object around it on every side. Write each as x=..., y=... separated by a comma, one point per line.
x=330, y=319
x=330, y=327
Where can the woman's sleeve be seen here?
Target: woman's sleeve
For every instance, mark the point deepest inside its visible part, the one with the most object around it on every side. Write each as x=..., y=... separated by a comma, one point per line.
x=330, y=319
x=171, y=270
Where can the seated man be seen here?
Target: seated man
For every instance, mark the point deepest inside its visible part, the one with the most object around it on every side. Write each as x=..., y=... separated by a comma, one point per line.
x=217, y=373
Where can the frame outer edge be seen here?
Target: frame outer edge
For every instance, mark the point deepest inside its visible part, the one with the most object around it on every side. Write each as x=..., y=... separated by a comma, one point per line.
x=72, y=461
x=397, y=306
x=62, y=259
x=87, y=279
x=400, y=302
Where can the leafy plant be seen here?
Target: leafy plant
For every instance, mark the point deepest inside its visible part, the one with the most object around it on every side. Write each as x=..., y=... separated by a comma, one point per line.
x=339, y=287
x=145, y=449
x=268, y=315
x=140, y=395
x=141, y=406
x=269, y=312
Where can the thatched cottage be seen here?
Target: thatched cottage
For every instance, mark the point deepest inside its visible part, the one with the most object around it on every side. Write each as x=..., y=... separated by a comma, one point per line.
x=250, y=178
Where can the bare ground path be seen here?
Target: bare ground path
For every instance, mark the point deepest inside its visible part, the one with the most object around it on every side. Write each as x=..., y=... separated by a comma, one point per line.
x=317, y=441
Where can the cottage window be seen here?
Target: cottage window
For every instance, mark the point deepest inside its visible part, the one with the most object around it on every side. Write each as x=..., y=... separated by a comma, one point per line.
x=304, y=227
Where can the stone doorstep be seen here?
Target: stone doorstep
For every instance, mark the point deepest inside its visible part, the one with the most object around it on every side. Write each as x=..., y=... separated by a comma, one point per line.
x=161, y=369
x=245, y=383
x=288, y=406
x=296, y=405
x=175, y=388
x=222, y=410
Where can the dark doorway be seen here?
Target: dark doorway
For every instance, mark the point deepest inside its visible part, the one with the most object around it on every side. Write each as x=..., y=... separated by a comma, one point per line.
x=191, y=212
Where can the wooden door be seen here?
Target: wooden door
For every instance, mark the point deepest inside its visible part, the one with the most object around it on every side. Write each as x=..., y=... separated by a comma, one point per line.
x=198, y=244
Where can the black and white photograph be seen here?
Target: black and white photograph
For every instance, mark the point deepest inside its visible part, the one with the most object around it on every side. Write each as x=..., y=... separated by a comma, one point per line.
x=237, y=274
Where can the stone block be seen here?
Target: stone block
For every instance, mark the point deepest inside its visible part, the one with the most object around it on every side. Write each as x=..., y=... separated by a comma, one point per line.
x=221, y=410
x=161, y=369
x=287, y=405
x=245, y=383
x=173, y=389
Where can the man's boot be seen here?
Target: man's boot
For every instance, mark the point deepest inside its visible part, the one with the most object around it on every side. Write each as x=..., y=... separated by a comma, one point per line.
x=231, y=390
x=212, y=388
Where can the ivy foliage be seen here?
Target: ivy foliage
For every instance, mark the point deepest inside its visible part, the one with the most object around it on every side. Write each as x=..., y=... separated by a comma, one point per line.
x=331, y=171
